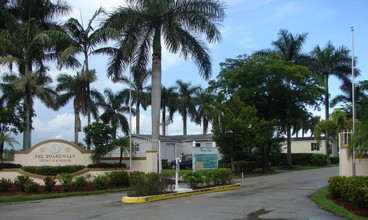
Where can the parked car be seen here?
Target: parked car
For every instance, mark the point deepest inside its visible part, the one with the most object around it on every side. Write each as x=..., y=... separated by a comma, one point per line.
x=186, y=162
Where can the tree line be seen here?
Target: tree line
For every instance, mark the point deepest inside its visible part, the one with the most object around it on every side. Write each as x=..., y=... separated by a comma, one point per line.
x=254, y=102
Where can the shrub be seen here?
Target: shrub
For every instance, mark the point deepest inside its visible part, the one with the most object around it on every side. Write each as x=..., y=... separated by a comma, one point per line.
x=80, y=183
x=222, y=176
x=193, y=179
x=31, y=186
x=142, y=184
x=66, y=180
x=118, y=178
x=4, y=184
x=353, y=189
x=101, y=182
x=107, y=165
x=215, y=177
x=49, y=183
x=362, y=197
x=318, y=160
x=52, y=170
x=334, y=160
x=244, y=166
x=9, y=165
x=21, y=181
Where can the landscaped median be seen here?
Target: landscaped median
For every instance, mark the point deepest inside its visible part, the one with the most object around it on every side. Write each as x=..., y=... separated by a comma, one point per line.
x=145, y=199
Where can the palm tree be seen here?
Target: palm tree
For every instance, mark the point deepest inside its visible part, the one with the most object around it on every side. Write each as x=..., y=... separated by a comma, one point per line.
x=30, y=86
x=5, y=138
x=179, y=24
x=205, y=107
x=327, y=62
x=187, y=102
x=74, y=87
x=27, y=42
x=139, y=94
x=113, y=112
x=169, y=100
x=84, y=40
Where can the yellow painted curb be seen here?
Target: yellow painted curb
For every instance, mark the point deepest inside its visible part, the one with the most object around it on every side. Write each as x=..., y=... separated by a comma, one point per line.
x=145, y=199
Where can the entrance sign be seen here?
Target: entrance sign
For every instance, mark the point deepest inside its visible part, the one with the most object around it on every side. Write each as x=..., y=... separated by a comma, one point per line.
x=53, y=153
x=205, y=158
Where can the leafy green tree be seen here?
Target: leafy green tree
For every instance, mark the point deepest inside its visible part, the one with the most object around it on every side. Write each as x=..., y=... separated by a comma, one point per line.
x=330, y=61
x=187, y=102
x=289, y=48
x=179, y=24
x=74, y=87
x=239, y=130
x=278, y=89
x=99, y=136
x=139, y=94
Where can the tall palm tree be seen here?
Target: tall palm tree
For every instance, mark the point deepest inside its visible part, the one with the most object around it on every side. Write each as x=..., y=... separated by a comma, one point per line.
x=27, y=41
x=179, y=24
x=139, y=94
x=113, y=112
x=205, y=107
x=187, y=102
x=169, y=100
x=74, y=87
x=330, y=61
x=84, y=40
x=30, y=86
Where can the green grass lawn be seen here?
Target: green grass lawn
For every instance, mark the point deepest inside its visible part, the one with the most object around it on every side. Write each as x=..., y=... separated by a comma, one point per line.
x=18, y=198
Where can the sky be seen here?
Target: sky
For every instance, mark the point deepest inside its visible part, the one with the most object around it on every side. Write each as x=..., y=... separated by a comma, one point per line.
x=249, y=26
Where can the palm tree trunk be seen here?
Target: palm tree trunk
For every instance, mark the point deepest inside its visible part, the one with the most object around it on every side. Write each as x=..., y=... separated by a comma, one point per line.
x=327, y=117
x=137, y=117
x=289, y=162
x=184, y=124
x=205, y=126
x=163, y=121
x=28, y=123
x=76, y=127
x=156, y=85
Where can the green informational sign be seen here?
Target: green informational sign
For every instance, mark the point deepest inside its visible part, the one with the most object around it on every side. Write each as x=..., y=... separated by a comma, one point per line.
x=205, y=161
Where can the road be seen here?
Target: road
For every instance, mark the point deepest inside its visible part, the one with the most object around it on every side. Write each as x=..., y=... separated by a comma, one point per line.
x=273, y=197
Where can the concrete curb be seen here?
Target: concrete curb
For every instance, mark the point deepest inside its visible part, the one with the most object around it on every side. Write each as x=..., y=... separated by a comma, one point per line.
x=146, y=199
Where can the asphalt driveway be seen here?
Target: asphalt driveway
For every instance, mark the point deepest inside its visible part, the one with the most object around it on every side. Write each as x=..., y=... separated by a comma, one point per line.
x=273, y=197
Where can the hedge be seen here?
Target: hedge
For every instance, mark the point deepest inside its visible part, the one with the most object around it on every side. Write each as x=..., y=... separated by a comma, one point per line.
x=353, y=189
x=52, y=170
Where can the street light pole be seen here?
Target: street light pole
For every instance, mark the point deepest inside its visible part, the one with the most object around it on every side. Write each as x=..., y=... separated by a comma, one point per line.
x=353, y=93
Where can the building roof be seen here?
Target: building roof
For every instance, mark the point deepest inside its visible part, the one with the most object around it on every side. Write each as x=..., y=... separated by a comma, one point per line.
x=179, y=138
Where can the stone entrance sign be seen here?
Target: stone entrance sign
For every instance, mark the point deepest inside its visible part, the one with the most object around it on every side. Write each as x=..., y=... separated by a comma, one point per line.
x=53, y=153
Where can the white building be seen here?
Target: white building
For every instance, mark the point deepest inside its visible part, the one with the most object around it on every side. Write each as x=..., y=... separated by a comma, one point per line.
x=310, y=145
